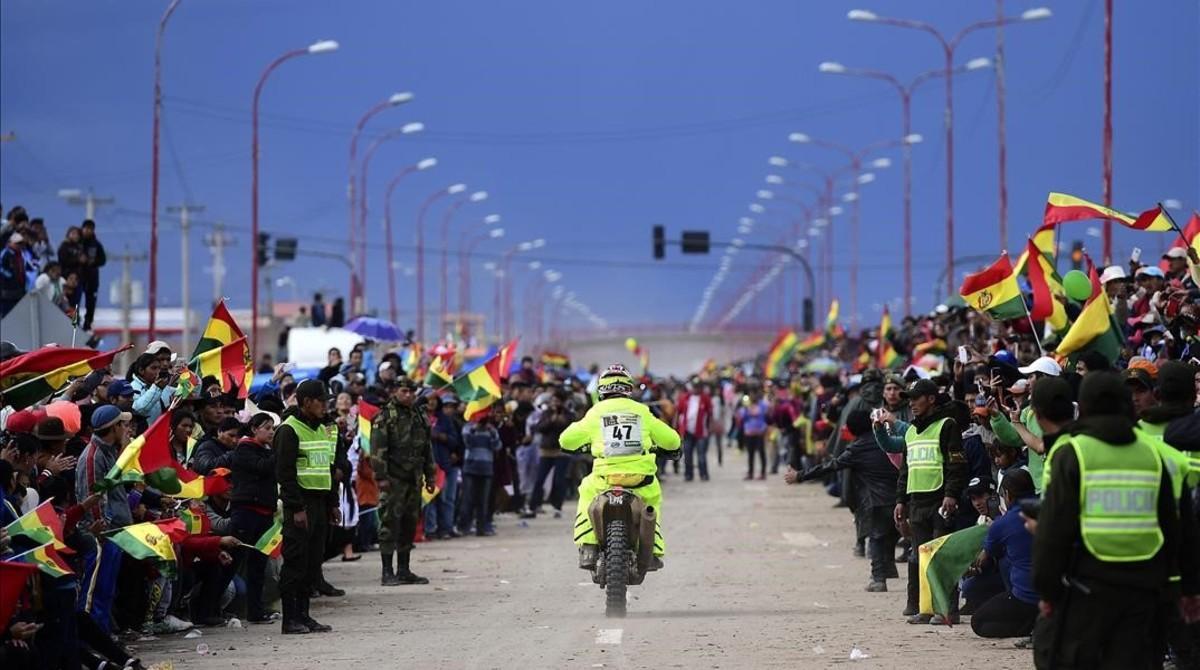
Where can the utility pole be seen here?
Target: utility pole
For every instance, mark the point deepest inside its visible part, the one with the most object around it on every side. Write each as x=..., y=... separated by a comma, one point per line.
x=127, y=260
x=216, y=241
x=89, y=200
x=185, y=269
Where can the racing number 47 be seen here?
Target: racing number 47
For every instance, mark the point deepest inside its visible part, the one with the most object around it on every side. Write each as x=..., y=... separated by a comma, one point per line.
x=620, y=432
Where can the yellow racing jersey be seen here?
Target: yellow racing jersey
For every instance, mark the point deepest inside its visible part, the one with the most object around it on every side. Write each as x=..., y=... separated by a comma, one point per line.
x=620, y=433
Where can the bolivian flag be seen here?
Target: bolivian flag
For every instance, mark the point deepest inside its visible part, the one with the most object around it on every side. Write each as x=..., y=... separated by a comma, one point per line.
x=41, y=524
x=479, y=382
x=1061, y=207
x=551, y=359
x=47, y=559
x=366, y=414
x=942, y=562
x=1047, y=286
x=935, y=347
x=440, y=373
x=831, y=327
x=33, y=389
x=780, y=351
x=1045, y=239
x=220, y=330
x=811, y=342
x=995, y=291
x=1190, y=239
x=195, y=521
x=1094, y=328
x=37, y=363
x=886, y=354
x=148, y=458
x=230, y=363
x=144, y=540
x=271, y=543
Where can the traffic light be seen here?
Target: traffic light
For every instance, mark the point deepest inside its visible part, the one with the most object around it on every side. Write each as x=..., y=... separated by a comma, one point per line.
x=660, y=242
x=808, y=314
x=264, y=239
x=695, y=242
x=285, y=249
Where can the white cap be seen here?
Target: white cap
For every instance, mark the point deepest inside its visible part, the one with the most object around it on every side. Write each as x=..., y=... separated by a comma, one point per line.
x=1175, y=252
x=1044, y=365
x=1112, y=272
x=1150, y=271
x=16, y=238
x=386, y=365
x=157, y=346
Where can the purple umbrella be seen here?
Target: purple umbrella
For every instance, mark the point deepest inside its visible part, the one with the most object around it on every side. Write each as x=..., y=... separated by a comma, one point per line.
x=375, y=329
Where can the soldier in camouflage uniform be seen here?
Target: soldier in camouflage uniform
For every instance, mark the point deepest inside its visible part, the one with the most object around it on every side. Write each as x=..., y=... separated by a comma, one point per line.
x=401, y=453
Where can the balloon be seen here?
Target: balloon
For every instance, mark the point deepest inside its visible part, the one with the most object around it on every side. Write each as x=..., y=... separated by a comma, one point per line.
x=68, y=413
x=1078, y=286
x=630, y=343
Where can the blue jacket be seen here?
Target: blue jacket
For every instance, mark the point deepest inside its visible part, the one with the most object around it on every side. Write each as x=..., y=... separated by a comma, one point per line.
x=481, y=444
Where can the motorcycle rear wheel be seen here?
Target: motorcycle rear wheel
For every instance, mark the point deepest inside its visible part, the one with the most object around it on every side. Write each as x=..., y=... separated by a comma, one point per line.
x=616, y=566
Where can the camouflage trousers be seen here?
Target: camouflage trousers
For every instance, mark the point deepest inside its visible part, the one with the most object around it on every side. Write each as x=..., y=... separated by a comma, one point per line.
x=399, y=513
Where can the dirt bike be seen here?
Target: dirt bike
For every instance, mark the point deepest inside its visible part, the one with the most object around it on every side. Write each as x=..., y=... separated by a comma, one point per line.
x=624, y=527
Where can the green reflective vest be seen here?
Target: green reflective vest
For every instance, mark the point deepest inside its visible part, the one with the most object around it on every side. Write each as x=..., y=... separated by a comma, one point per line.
x=923, y=454
x=316, y=454
x=1118, y=499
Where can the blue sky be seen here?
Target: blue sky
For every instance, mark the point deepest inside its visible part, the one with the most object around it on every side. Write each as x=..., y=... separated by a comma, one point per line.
x=587, y=124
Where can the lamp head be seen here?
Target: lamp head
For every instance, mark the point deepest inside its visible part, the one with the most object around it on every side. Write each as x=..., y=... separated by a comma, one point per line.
x=496, y=233
x=978, y=63
x=881, y=163
x=1036, y=14
x=830, y=67
x=400, y=98
x=455, y=189
x=774, y=179
x=322, y=47
x=490, y=219
x=799, y=138
x=764, y=194
x=861, y=15
x=914, y=138
x=777, y=161
x=426, y=163
x=478, y=196
x=757, y=208
x=410, y=128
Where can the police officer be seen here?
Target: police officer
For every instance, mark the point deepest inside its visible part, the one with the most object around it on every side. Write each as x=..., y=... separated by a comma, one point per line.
x=402, y=454
x=932, y=477
x=305, y=445
x=1107, y=537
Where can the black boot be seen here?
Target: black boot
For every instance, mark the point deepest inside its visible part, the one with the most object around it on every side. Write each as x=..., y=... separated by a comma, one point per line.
x=313, y=625
x=389, y=576
x=326, y=589
x=292, y=625
x=403, y=574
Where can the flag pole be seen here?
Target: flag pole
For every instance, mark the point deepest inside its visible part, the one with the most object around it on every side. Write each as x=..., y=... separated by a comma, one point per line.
x=1174, y=225
x=1032, y=328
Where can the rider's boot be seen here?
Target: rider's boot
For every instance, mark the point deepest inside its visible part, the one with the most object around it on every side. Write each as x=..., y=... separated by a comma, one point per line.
x=656, y=563
x=588, y=553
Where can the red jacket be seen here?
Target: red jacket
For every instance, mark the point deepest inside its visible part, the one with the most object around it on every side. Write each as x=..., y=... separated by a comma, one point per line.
x=703, y=415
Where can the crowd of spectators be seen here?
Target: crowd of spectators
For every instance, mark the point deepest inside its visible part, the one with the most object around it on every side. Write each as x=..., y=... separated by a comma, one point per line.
x=68, y=274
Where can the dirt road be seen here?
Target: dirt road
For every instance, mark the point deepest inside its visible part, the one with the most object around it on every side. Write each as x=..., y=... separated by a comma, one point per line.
x=758, y=575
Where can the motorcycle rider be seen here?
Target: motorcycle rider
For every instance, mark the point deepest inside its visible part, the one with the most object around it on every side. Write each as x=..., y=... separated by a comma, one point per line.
x=620, y=432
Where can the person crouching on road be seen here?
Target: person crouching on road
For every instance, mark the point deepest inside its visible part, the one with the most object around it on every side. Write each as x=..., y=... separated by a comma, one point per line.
x=304, y=447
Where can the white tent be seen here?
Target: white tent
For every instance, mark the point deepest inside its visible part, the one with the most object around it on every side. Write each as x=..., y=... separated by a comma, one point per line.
x=35, y=322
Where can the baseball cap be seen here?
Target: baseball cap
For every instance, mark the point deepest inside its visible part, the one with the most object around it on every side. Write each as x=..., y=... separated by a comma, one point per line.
x=1112, y=272
x=120, y=389
x=1138, y=376
x=1019, y=387
x=920, y=387
x=107, y=415
x=23, y=421
x=312, y=388
x=1175, y=252
x=16, y=238
x=978, y=487
x=1150, y=271
x=450, y=399
x=157, y=346
x=1044, y=365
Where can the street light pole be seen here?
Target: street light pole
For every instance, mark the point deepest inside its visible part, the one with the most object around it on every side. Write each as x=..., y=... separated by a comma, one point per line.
x=185, y=258
x=465, y=248
x=425, y=164
x=447, y=218
x=453, y=189
x=324, y=46
x=905, y=92
x=152, y=297
x=948, y=48
x=1107, y=171
x=359, y=254
x=356, y=274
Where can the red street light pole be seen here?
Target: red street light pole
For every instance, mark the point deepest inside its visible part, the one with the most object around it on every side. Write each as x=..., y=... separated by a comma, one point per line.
x=859, y=178
x=158, y=44
x=360, y=248
x=503, y=296
x=453, y=189
x=905, y=92
x=948, y=47
x=466, y=246
x=357, y=275
x=1107, y=137
x=425, y=164
x=324, y=46
x=447, y=217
